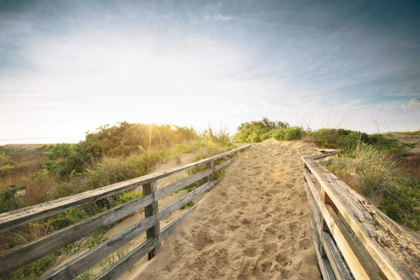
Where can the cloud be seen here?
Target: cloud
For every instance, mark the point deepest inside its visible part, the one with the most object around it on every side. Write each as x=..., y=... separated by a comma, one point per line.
x=222, y=17
x=413, y=104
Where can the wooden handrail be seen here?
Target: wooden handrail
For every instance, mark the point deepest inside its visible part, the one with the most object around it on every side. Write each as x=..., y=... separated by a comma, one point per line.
x=17, y=257
x=32, y=213
x=395, y=252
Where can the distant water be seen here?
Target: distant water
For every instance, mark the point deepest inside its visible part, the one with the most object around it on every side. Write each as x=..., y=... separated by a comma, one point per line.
x=45, y=140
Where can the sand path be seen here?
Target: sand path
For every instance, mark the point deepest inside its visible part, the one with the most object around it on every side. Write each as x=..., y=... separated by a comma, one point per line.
x=253, y=225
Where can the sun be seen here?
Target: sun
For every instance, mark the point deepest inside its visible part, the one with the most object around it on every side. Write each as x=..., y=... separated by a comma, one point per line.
x=174, y=128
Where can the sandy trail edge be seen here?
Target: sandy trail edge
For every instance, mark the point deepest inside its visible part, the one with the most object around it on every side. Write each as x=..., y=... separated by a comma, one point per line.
x=137, y=217
x=253, y=225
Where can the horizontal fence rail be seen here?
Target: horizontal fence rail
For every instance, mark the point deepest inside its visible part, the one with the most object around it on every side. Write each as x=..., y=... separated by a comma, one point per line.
x=17, y=257
x=353, y=239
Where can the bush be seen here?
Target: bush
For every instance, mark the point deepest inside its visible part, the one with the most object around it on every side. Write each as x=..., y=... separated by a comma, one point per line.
x=5, y=169
x=288, y=134
x=378, y=172
x=126, y=138
x=67, y=158
x=349, y=140
x=8, y=199
x=254, y=131
x=121, y=140
x=258, y=131
x=402, y=205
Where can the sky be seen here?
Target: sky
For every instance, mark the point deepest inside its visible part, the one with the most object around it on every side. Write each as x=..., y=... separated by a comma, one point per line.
x=67, y=67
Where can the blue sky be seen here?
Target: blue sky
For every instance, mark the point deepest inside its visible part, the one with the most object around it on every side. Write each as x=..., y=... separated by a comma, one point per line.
x=70, y=66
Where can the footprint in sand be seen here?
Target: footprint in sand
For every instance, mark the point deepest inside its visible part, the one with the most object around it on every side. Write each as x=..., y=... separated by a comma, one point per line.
x=304, y=243
x=283, y=260
x=250, y=252
x=255, y=225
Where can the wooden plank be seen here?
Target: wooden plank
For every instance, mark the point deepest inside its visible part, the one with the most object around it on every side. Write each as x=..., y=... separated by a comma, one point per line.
x=149, y=211
x=96, y=254
x=337, y=264
x=316, y=212
x=165, y=191
x=32, y=213
x=83, y=262
x=324, y=265
x=20, y=256
x=314, y=199
x=169, y=229
x=316, y=157
x=168, y=210
x=370, y=266
x=134, y=256
x=327, y=150
x=352, y=261
x=169, y=189
x=210, y=165
x=225, y=163
x=396, y=252
x=122, y=265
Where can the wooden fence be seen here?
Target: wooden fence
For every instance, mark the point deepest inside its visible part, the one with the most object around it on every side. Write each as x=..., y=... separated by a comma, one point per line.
x=17, y=257
x=352, y=238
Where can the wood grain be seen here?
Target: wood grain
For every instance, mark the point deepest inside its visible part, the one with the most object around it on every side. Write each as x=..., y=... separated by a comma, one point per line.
x=150, y=211
x=395, y=251
x=134, y=256
x=32, y=213
x=20, y=256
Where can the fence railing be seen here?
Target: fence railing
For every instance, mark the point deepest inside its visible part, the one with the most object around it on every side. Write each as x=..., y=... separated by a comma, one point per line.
x=352, y=238
x=17, y=257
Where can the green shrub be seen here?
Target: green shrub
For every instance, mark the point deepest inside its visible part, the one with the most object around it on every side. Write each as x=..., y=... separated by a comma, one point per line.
x=68, y=218
x=33, y=270
x=67, y=158
x=96, y=239
x=258, y=131
x=253, y=132
x=125, y=138
x=403, y=204
x=5, y=169
x=121, y=140
x=378, y=172
x=288, y=134
x=349, y=140
x=183, y=149
x=8, y=199
x=265, y=136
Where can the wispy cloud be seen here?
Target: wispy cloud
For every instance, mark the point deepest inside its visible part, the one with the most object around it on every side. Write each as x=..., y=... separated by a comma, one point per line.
x=413, y=104
x=87, y=64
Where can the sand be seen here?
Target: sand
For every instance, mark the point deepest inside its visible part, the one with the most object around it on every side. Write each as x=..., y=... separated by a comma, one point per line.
x=407, y=139
x=133, y=219
x=254, y=224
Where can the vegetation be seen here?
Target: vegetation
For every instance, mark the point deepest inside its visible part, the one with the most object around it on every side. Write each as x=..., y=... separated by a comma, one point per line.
x=34, y=174
x=108, y=155
x=374, y=165
x=257, y=131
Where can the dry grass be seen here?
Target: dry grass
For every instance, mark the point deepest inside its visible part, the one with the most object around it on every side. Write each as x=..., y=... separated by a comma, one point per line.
x=368, y=168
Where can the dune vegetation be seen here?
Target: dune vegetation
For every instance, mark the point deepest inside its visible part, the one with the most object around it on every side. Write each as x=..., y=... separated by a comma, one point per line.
x=379, y=167
x=108, y=155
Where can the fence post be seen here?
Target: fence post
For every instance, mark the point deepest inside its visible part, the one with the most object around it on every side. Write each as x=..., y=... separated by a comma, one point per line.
x=211, y=176
x=151, y=210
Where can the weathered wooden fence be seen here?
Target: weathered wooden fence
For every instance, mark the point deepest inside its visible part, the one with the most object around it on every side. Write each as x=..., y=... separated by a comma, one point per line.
x=352, y=238
x=17, y=257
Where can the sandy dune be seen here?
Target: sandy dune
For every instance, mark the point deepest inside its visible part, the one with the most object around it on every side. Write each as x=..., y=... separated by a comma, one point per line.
x=253, y=225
